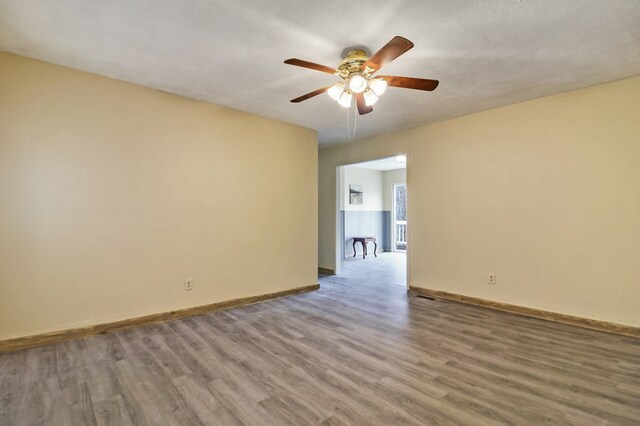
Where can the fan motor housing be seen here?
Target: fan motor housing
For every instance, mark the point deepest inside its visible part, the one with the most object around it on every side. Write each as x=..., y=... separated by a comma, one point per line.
x=353, y=62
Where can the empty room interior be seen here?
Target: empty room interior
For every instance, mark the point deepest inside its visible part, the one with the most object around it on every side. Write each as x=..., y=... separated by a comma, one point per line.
x=324, y=213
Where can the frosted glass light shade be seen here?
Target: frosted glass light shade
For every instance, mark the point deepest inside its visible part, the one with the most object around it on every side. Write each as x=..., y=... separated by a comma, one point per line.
x=345, y=99
x=335, y=91
x=357, y=83
x=378, y=85
x=370, y=98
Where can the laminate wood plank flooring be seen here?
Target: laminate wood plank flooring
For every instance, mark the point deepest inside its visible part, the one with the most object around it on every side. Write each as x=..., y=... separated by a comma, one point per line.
x=359, y=351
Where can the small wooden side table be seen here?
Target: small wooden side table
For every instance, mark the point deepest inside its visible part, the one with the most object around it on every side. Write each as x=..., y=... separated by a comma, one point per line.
x=364, y=241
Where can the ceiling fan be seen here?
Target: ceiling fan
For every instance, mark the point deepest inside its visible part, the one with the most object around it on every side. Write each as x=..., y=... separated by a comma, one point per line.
x=356, y=71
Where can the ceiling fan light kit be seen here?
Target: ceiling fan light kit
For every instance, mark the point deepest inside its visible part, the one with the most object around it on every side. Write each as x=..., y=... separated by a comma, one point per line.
x=335, y=91
x=370, y=97
x=345, y=99
x=357, y=83
x=378, y=85
x=356, y=71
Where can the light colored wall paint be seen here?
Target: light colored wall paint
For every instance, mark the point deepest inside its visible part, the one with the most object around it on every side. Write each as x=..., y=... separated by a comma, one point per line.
x=543, y=193
x=372, y=182
x=113, y=194
x=390, y=178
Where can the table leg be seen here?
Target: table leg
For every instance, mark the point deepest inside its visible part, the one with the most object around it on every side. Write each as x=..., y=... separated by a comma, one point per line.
x=375, y=249
x=354, y=248
x=364, y=249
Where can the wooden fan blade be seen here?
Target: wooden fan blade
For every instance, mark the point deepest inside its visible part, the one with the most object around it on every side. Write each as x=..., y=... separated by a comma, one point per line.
x=310, y=65
x=410, y=82
x=390, y=51
x=362, y=106
x=310, y=95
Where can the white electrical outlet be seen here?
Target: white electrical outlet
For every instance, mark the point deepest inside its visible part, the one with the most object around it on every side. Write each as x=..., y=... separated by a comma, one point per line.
x=492, y=279
x=188, y=285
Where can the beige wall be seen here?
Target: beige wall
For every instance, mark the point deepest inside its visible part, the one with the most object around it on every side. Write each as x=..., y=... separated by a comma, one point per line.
x=112, y=195
x=545, y=194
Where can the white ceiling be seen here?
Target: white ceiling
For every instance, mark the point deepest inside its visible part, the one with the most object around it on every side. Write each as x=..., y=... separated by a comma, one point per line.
x=384, y=164
x=486, y=53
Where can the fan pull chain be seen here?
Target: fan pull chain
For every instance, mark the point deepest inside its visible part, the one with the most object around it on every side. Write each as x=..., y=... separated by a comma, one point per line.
x=355, y=122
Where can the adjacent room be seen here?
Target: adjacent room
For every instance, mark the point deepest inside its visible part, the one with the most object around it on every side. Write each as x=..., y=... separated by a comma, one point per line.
x=372, y=225
x=319, y=213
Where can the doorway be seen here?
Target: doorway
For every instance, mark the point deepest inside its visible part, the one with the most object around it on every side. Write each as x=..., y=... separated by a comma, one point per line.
x=372, y=220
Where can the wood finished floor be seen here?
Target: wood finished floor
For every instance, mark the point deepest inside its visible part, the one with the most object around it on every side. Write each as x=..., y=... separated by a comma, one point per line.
x=358, y=351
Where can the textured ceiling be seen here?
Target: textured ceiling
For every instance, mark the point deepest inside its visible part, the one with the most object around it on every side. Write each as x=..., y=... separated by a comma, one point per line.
x=486, y=53
x=383, y=165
